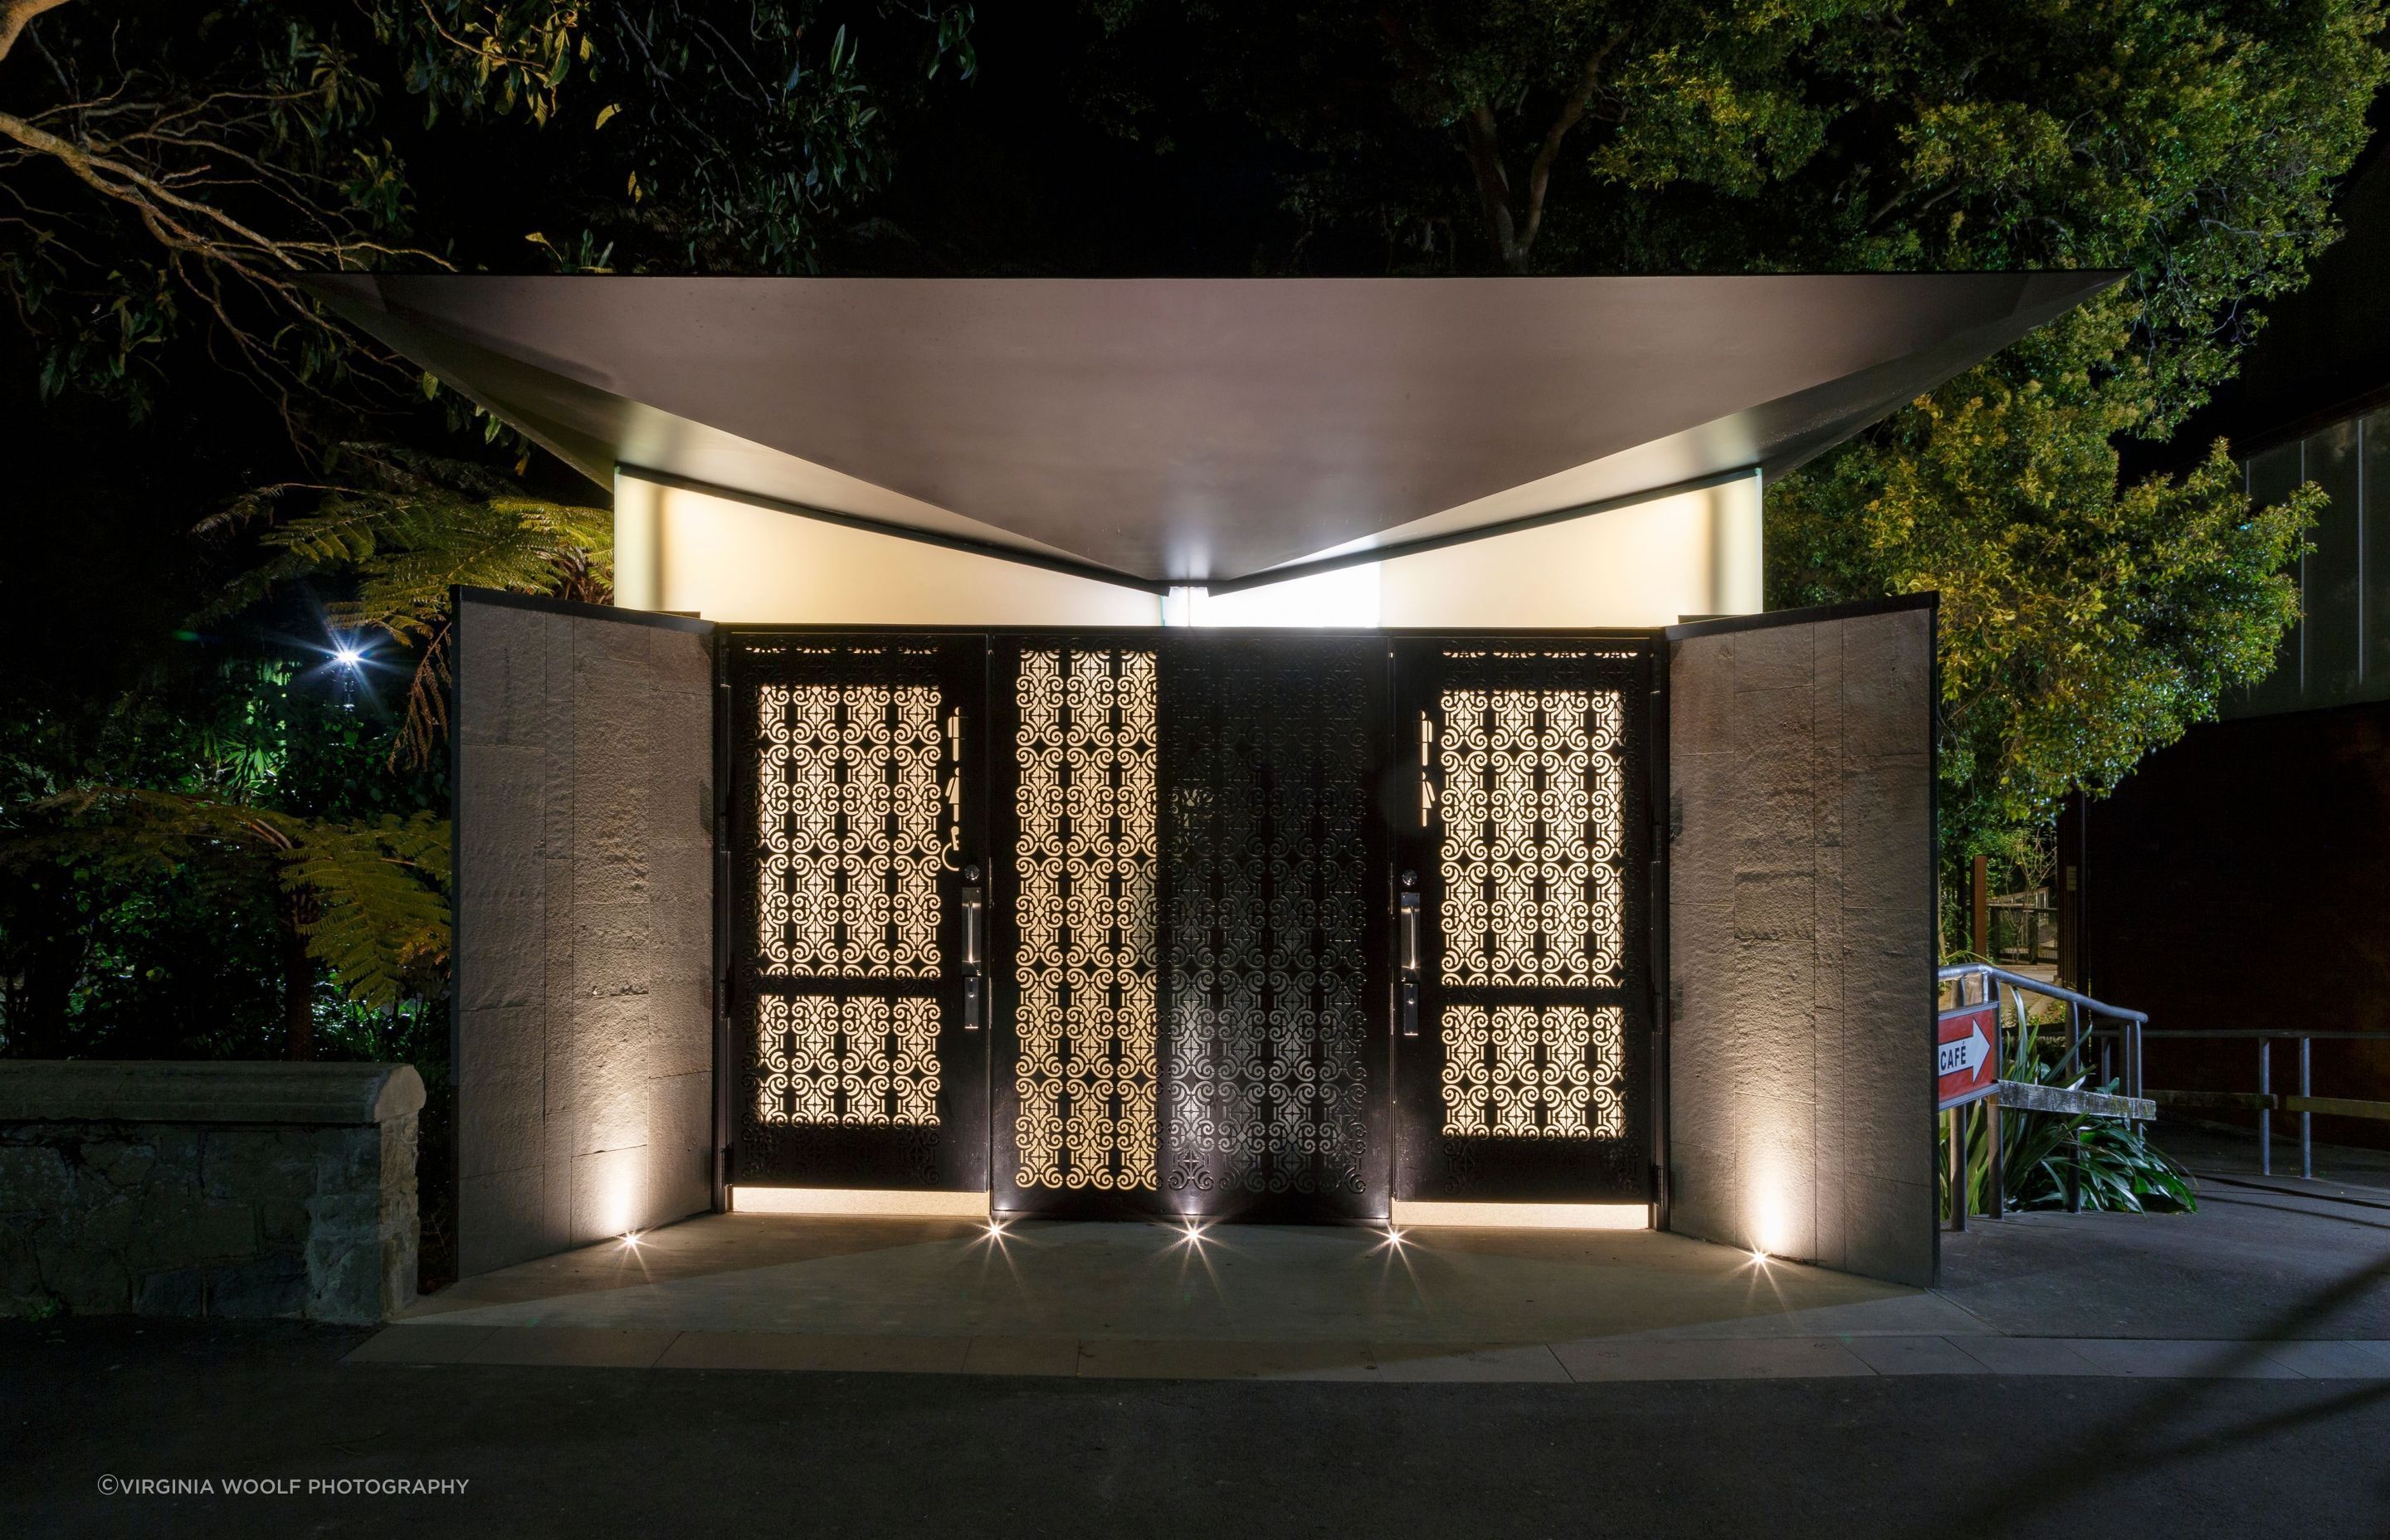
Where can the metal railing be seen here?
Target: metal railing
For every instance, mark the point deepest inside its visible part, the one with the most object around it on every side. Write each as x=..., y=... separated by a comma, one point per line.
x=2091, y=1025
x=2112, y=1030
x=2085, y=1018
x=2265, y=1101
x=2030, y=929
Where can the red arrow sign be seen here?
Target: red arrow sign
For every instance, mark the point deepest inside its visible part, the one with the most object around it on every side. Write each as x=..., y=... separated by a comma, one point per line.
x=1966, y=1047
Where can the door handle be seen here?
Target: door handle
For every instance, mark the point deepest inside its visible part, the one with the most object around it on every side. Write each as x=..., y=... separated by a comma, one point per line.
x=1406, y=951
x=974, y=969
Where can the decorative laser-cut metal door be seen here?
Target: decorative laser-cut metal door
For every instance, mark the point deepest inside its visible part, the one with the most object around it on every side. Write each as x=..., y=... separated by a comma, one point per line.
x=1522, y=994
x=1274, y=1098
x=1077, y=733
x=857, y=1009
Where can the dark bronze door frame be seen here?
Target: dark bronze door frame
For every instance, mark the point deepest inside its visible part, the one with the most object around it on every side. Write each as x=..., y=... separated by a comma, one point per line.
x=1522, y=997
x=856, y=1012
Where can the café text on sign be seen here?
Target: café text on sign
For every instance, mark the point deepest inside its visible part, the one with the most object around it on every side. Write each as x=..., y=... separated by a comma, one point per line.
x=1966, y=1054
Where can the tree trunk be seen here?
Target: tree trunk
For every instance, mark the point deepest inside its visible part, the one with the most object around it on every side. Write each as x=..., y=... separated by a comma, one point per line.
x=298, y=982
x=40, y=994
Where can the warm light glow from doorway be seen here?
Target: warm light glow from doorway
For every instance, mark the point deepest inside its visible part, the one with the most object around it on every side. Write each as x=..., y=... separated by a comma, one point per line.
x=1524, y=1216
x=860, y=1202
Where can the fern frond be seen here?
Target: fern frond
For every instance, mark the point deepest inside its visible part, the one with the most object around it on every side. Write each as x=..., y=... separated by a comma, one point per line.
x=410, y=527
x=377, y=909
x=380, y=909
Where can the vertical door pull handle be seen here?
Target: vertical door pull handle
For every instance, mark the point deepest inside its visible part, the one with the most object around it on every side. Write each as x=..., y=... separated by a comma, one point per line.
x=1408, y=959
x=974, y=968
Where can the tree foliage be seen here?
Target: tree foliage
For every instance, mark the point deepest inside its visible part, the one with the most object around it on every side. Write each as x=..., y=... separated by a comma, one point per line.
x=404, y=527
x=167, y=173
x=183, y=866
x=2081, y=626
x=2191, y=144
x=368, y=895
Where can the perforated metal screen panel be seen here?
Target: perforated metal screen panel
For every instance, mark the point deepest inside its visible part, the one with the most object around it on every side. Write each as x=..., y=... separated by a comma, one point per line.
x=1274, y=893
x=1191, y=852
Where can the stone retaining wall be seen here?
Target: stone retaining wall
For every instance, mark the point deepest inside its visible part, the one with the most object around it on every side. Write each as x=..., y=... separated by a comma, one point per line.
x=208, y=1189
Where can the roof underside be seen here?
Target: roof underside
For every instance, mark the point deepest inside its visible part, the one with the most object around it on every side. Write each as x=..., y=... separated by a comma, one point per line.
x=1198, y=430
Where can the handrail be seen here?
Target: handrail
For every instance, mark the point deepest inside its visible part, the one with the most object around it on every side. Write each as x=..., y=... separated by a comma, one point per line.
x=2083, y=1016
x=2132, y=1028
x=2265, y=1101
x=2039, y=986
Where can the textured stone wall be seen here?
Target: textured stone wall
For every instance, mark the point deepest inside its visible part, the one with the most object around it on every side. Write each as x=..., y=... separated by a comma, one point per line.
x=1801, y=945
x=585, y=1038
x=214, y=1216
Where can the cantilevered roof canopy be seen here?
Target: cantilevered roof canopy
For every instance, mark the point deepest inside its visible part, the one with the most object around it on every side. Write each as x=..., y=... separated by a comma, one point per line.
x=1198, y=430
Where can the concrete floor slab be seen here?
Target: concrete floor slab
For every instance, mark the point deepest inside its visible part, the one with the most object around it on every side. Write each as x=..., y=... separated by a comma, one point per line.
x=1453, y=1363
x=1022, y=1355
x=1748, y=1358
x=572, y=1346
x=2027, y=1355
x=1909, y=1313
x=1114, y=1358
x=1146, y=1282
x=2135, y=1358
x=878, y=1355
x=2334, y=1360
x=740, y=1349
x=1913, y=1356
x=2106, y=1295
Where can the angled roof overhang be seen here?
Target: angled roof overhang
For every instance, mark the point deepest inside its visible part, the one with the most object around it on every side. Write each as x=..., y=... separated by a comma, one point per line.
x=1198, y=430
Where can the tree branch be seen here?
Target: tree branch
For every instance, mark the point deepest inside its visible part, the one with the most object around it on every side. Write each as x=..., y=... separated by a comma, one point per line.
x=1480, y=137
x=1539, y=175
x=14, y=14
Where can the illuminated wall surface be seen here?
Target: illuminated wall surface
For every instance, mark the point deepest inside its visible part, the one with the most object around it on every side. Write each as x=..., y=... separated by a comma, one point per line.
x=1652, y=564
x=1800, y=925
x=737, y=563
x=584, y=1044
x=1801, y=941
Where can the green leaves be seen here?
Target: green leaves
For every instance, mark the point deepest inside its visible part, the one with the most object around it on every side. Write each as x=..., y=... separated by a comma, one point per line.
x=380, y=907
x=369, y=895
x=2083, y=623
x=2113, y=1162
x=406, y=528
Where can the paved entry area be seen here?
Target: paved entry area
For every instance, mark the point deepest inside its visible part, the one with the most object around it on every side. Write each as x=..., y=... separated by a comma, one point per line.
x=2224, y=1293
x=1722, y=1402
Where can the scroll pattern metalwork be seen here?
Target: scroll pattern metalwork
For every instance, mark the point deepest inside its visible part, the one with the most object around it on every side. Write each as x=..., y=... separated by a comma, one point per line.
x=1267, y=898
x=1087, y=1022
x=853, y=1060
x=1518, y=1072
x=850, y=799
x=1533, y=806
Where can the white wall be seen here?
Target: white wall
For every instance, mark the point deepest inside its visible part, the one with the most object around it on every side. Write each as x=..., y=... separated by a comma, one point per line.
x=1654, y=563
x=737, y=563
x=1651, y=564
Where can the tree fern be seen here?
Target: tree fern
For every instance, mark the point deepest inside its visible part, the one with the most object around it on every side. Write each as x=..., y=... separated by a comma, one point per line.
x=380, y=909
x=407, y=527
x=372, y=894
